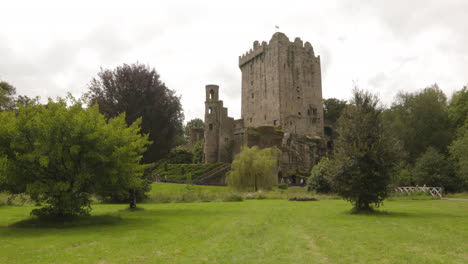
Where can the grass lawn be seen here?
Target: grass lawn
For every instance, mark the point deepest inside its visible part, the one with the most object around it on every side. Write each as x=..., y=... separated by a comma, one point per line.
x=170, y=192
x=463, y=195
x=253, y=231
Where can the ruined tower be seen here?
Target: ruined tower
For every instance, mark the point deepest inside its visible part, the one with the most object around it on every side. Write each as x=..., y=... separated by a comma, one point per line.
x=218, y=128
x=282, y=86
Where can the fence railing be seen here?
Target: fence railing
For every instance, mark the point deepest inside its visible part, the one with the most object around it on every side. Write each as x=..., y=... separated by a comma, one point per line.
x=434, y=191
x=214, y=173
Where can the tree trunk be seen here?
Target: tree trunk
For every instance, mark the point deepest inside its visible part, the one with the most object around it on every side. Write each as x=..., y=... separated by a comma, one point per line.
x=133, y=200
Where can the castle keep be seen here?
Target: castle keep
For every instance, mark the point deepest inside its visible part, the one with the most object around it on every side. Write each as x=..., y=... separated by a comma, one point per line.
x=281, y=106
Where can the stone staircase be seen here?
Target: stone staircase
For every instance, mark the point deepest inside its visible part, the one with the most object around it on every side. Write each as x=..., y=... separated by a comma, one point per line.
x=214, y=177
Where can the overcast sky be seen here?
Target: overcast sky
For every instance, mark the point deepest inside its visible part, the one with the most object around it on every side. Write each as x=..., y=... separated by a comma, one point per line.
x=49, y=48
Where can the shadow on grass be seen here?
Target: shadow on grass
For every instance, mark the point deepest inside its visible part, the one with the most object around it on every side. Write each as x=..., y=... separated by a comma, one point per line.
x=68, y=222
x=380, y=213
x=416, y=214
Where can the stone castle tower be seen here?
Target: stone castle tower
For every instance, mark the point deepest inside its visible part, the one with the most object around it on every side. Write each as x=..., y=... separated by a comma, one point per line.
x=282, y=86
x=281, y=89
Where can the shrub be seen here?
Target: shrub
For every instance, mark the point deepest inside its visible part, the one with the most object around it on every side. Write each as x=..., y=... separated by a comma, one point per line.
x=283, y=186
x=254, y=168
x=320, y=178
x=233, y=197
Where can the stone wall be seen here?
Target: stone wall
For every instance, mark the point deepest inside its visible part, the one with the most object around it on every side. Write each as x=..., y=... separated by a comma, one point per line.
x=281, y=86
x=281, y=106
x=218, y=138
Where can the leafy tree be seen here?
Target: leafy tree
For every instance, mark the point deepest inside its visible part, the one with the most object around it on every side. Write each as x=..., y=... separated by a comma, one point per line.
x=197, y=152
x=137, y=90
x=433, y=169
x=420, y=120
x=403, y=175
x=7, y=92
x=179, y=155
x=332, y=109
x=320, y=176
x=61, y=154
x=25, y=100
x=254, y=168
x=459, y=155
x=458, y=108
x=364, y=154
x=194, y=123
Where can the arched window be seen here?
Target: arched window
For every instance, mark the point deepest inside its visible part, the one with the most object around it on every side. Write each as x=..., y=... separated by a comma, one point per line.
x=210, y=110
x=211, y=94
x=211, y=126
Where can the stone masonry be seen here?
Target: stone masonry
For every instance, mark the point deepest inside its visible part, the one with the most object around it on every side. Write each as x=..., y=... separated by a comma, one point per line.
x=281, y=88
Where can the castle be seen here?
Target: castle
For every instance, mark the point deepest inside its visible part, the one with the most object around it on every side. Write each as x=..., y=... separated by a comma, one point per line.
x=281, y=106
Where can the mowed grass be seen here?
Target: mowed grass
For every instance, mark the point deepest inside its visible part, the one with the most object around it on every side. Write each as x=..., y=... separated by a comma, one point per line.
x=169, y=192
x=252, y=231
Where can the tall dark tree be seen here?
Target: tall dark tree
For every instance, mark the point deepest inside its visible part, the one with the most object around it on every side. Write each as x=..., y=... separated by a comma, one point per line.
x=7, y=93
x=365, y=155
x=138, y=91
x=332, y=109
x=420, y=120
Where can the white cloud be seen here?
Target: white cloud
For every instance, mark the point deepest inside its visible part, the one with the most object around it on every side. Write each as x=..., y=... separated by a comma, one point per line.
x=48, y=48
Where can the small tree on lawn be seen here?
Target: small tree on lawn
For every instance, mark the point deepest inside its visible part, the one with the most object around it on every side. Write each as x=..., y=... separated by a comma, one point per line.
x=60, y=155
x=320, y=177
x=364, y=155
x=254, y=168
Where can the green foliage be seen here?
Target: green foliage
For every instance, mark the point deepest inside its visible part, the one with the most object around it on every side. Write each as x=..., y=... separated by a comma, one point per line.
x=403, y=175
x=254, y=168
x=197, y=152
x=459, y=156
x=7, y=92
x=180, y=172
x=365, y=154
x=138, y=91
x=332, y=109
x=432, y=169
x=458, y=108
x=179, y=155
x=194, y=123
x=420, y=120
x=320, y=179
x=60, y=155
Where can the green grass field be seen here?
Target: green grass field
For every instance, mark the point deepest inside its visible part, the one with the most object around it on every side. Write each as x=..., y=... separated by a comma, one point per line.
x=252, y=231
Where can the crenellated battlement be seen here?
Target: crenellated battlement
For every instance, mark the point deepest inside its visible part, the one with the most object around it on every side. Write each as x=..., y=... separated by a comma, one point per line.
x=259, y=49
x=252, y=53
x=281, y=88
